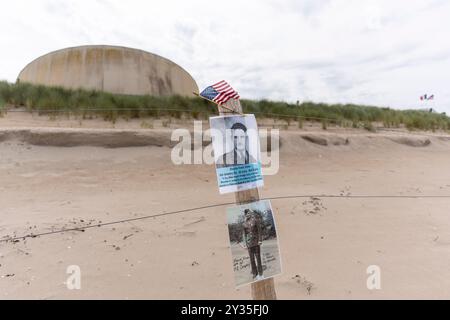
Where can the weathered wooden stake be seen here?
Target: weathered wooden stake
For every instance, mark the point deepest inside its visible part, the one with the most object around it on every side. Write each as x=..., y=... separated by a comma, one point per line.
x=263, y=289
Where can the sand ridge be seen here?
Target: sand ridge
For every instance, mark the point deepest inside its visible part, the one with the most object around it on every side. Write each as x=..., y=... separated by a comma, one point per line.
x=326, y=243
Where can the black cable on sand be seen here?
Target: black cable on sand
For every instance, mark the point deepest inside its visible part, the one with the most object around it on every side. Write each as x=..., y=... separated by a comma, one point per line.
x=83, y=228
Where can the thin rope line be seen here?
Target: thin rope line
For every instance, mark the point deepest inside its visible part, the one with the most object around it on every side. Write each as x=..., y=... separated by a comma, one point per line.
x=169, y=109
x=336, y=120
x=100, y=109
x=114, y=222
x=358, y=196
x=220, y=205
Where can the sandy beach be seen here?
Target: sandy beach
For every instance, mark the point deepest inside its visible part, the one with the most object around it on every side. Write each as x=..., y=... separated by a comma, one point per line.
x=326, y=244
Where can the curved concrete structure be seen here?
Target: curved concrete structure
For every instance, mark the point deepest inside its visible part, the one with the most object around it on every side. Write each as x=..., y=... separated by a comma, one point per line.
x=112, y=69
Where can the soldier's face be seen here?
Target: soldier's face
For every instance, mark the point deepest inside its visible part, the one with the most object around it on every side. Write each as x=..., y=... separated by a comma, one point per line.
x=239, y=139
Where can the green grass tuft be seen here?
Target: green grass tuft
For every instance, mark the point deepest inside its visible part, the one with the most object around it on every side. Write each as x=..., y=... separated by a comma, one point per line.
x=88, y=104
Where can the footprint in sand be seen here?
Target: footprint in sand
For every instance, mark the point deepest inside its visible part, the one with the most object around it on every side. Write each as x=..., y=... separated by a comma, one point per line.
x=313, y=206
x=304, y=283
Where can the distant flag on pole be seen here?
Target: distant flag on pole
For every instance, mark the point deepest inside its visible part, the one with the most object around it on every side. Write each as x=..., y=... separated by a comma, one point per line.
x=220, y=92
x=426, y=97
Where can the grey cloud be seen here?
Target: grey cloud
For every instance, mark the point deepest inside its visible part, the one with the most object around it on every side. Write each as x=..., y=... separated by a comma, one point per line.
x=305, y=8
x=284, y=49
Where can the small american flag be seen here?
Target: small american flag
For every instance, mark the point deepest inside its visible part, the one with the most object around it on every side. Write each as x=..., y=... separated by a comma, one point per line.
x=220, y=92
x=426, y=97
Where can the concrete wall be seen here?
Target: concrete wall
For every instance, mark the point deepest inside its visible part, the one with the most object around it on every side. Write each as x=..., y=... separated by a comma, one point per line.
x=109, y=68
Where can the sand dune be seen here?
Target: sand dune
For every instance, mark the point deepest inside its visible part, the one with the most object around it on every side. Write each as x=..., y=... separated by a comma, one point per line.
x=56, y=178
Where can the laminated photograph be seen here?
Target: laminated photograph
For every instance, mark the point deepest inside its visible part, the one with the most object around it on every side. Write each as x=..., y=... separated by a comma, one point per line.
x=236, y=152
x=253, y=242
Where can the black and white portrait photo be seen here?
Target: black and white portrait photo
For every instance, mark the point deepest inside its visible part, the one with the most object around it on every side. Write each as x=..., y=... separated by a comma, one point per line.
x=239, y=154
x=253, y=242
x=236, y=152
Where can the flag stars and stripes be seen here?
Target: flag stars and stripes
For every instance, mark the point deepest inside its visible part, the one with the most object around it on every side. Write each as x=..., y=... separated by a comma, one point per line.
x=427, y=97
x=220, y=92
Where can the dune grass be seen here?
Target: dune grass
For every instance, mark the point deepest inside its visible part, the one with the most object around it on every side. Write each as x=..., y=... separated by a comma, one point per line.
x=48, y=100
x=110, y=106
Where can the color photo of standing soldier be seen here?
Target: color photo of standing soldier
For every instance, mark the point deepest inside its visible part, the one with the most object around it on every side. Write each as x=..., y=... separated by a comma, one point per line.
x=253, y=242
x=252, y=239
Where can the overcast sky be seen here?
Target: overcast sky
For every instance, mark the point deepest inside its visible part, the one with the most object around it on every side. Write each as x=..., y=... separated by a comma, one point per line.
x=383, y=52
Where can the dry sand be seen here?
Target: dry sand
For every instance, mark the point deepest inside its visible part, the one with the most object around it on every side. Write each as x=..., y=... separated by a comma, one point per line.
x=326, y=243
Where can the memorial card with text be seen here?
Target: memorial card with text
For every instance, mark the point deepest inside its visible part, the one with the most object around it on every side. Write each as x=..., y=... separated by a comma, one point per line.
x=236, y=152
x=253, y=242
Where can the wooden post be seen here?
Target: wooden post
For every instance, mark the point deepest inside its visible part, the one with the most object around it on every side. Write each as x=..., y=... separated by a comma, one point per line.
x=263, y=289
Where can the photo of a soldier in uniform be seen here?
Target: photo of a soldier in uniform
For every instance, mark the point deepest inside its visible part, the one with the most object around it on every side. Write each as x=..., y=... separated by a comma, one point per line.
x=253, y=242
x=235, y=142
x=239, y=154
